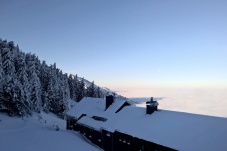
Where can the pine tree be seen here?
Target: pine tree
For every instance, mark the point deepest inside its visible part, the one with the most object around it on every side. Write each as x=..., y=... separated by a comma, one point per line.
x=63, y=84
x=56, y=95
x=50, y=92
x=21, y=108
x=61, y=99
x=75, y=87
x=44, y=80
x=8, y=83
x=46, y=103
x=71, y=86
x=91, y=90
x=35, y=92
x=22, y=76
x=52, y=89
x=99, y=93
x=1, y=79
x=66, y=87
x=81, y=90
x=34, y=84
x=1, y=70
x=7, y=62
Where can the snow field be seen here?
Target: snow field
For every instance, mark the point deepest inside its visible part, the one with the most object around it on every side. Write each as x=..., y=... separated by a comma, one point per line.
x=41, y=132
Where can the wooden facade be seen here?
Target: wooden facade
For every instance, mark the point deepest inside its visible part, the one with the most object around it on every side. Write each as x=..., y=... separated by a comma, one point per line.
x=95, y=136
x=115, y=141
x=70, y=122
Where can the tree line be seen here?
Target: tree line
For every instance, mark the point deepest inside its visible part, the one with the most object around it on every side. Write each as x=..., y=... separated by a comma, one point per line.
x=28, y=84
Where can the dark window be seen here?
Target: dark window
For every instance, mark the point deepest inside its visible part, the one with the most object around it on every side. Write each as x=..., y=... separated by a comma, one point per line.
x=97, y=118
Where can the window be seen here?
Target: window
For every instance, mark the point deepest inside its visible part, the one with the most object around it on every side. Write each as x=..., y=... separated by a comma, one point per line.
x=124, y=141
x=97, y=118
x=108, y=134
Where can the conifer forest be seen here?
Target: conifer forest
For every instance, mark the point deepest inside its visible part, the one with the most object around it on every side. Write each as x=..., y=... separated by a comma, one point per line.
x=28, y=84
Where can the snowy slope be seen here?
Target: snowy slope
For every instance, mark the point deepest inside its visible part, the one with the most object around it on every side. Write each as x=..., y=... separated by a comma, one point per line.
x=104, y=90
x=38, y=133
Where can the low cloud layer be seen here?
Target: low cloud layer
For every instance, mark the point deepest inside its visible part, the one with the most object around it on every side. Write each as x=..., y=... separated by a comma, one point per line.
x=198, y=101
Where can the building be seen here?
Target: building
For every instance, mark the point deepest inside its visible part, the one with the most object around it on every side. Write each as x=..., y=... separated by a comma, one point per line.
x=115, y=125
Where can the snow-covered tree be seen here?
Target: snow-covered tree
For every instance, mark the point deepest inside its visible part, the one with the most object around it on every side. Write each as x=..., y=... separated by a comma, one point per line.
x=81, y=90
x=22, y=76
x=12, y=88
x=7, y=62
x=75, y=87
x=28, y=85
x=99, y=93
x=1, y=71
x=91, y=90
x=35, y=92
x=66, y=87
x=56, y=93
x=71, y=86
x=44, y=80
x=34, y=84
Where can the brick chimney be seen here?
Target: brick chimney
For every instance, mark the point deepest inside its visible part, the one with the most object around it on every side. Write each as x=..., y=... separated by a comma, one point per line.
x=151, y=106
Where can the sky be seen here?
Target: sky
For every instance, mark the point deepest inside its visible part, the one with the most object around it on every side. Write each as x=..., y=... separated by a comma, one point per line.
x=125, y=45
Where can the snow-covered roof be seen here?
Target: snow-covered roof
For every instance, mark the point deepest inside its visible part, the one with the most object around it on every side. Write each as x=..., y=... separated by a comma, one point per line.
x=178, y=130
x=90, y=122
x=89, y=106
x=181, y=131
x=114, y=107
x=94, y=107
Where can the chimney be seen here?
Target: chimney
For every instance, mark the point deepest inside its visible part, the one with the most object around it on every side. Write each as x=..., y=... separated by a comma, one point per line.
x=151, y=106
x=109, y=100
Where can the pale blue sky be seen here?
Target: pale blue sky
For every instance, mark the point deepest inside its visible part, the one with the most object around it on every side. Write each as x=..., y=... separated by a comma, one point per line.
x=125, y=44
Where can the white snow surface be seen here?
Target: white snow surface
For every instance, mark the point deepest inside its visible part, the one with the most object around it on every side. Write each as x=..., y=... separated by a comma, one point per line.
x=178, y=130
x=95, y=107
x=90, y=122
x=38, y=133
